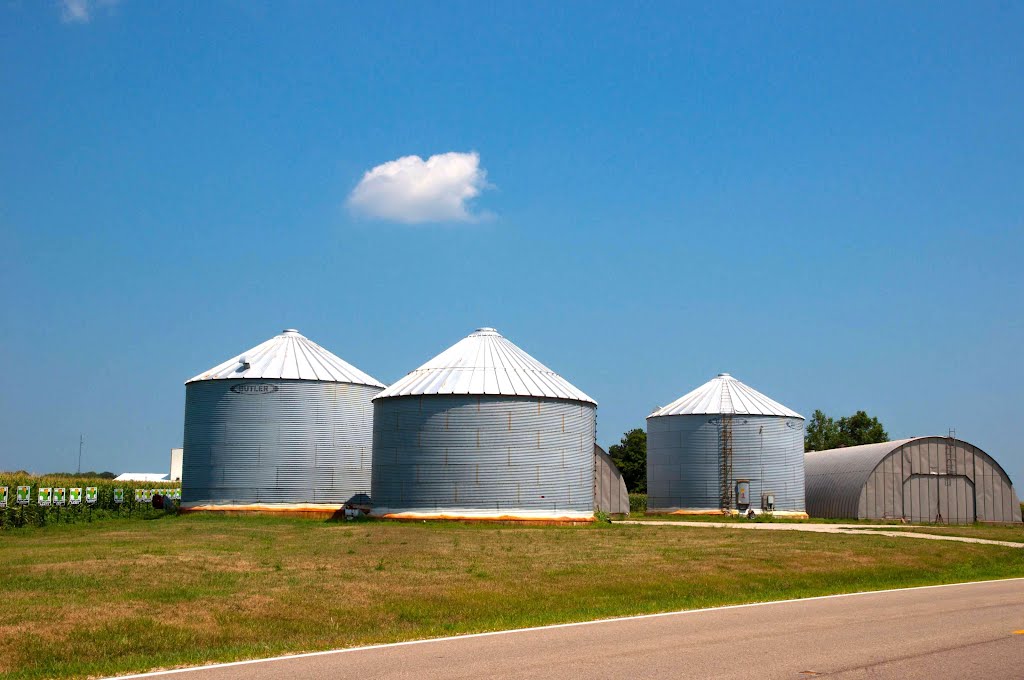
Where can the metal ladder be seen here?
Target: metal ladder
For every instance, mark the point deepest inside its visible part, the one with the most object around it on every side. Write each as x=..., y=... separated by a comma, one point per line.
x=950, y=471
x=725, y=463
x=950, y=456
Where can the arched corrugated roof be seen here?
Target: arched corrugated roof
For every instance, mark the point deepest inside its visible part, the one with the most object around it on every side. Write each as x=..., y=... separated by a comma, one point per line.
x=485, y=362
x=724, y=394
x=288, y=356
x=834, y=478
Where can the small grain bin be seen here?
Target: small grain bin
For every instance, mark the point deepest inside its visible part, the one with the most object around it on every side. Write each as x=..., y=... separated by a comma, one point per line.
x=725, y=448
x=484, y=431
x=284, y=426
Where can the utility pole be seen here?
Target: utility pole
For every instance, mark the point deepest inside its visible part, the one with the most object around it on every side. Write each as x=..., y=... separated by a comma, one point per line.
x=81, y=442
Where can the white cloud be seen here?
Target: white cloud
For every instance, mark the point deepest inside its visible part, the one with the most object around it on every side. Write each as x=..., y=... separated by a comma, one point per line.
x=74, y=11
x=80, y=11
x=413, y=190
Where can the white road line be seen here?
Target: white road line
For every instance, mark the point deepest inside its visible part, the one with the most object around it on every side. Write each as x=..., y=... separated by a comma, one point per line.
x=549, y=627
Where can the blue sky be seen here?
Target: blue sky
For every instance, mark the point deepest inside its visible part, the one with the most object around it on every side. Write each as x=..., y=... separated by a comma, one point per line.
x=826, y=200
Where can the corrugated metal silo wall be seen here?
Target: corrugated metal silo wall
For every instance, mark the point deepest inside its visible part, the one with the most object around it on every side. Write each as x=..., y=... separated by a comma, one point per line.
x=684, y=454
x=292, y=441
x=439, y=453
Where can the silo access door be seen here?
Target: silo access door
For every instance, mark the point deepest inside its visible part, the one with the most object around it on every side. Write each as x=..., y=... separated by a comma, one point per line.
x=939, y=498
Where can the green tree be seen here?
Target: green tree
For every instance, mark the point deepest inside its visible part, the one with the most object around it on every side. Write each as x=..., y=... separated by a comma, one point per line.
x=824, y=432
x=821, y=432
x=860, y=428
x=630, y=456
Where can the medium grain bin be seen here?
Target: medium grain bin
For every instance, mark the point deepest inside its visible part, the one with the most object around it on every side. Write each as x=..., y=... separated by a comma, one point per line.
x=284, y=426
x=484, y=431
x=725, y=448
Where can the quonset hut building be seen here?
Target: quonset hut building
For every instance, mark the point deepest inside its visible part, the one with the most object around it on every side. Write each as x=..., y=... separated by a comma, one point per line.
x=924, y=479
x=285, y=426
x=484, y=431
x=724, y=448
x=610, y=494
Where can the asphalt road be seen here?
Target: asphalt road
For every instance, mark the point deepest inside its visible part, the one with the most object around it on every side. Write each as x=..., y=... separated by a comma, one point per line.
x=962, y=631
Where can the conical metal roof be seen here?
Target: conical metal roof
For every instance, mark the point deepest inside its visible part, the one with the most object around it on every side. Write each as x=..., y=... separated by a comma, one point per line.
x=485, y=362
x=288, y=356
x=724, y=394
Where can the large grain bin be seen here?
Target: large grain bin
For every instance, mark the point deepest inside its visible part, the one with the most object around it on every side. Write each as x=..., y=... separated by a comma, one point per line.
x=924, y=479
x=284, y=426
x=484, y=431
x=725, y=448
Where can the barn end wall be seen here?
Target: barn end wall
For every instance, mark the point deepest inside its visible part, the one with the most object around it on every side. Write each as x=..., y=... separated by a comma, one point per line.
x=936, y=479
x=610, y=494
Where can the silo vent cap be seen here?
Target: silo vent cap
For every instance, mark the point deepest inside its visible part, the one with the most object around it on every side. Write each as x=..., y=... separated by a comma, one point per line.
x=486, y=329
x=291, y=330
x=724, y=375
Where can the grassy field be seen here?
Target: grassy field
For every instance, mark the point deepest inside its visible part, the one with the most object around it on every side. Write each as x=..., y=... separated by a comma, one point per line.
x=121, y=596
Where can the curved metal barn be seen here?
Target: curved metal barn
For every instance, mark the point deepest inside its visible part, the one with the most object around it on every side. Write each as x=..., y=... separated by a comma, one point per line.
x=924, y=479
x=483, y=431
x=284, y=426
x=725, y=448
x=610, y=494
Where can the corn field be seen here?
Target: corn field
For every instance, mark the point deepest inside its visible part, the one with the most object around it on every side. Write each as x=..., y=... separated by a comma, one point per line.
x=76, y=503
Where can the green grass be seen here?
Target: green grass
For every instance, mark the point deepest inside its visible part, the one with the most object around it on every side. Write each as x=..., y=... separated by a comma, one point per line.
x=120, y=596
